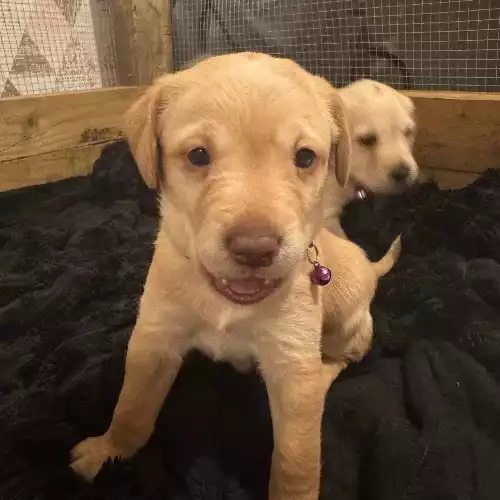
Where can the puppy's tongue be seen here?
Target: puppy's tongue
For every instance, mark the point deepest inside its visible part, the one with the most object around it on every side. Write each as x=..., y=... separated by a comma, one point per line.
x=247, y=286
x=248, y=290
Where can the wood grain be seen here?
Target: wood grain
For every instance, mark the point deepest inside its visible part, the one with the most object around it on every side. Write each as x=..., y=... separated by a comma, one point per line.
x=143, y=39
x=457, y=130
x=47, y=167
x=30, y=126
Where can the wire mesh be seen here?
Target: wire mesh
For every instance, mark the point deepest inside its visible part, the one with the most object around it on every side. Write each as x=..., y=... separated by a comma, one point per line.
x=420, y=44
x=55, y=46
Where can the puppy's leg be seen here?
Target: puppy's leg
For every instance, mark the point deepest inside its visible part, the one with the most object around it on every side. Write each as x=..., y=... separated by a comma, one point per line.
x=154, y=357
x=290, y=363
x=331, y=370
x=351, y=340
x=296, y=393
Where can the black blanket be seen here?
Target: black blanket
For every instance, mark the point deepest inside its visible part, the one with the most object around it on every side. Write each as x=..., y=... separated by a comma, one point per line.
x=419, y=418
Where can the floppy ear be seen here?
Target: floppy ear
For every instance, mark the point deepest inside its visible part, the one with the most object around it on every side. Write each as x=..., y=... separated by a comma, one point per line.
x=141, y=132
x=340, y=156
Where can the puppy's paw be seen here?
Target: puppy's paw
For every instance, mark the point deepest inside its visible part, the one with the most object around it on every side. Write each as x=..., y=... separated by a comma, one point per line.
x=89, y=456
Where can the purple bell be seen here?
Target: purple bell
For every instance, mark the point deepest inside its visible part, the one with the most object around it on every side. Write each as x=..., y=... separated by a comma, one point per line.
x=321, y=275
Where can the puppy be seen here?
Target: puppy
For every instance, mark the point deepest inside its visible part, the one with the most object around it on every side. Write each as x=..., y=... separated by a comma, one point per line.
x=240, y=146
x=382, y=129
x=347, y=323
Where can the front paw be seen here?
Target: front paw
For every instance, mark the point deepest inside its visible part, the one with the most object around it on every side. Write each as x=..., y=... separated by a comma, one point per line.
x=89, y=456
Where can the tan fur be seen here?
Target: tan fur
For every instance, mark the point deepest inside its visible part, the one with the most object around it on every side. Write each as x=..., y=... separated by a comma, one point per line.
x=252, y=112
x=375, y=108
x=347, y=323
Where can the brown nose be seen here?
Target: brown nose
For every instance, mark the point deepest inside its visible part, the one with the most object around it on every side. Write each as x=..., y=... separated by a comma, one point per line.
x=253, y=246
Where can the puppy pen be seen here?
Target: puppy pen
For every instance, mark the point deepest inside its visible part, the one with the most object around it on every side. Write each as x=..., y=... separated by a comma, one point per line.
x=70, y=68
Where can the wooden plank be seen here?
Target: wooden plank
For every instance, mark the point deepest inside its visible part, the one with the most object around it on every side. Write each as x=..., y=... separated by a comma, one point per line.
x=152, y=39
x=449, y=179
x=143, y=40
x=123, y=27
x=459, y=96
x=47, y=167
x=30, y=126
x=457, y=130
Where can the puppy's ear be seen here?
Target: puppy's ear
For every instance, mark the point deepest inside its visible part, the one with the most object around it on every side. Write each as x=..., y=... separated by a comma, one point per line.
x=340, y=156
x=141, y=131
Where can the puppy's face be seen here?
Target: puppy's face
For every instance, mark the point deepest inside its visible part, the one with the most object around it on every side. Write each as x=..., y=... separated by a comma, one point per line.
x=382, y=130
x=243, y=144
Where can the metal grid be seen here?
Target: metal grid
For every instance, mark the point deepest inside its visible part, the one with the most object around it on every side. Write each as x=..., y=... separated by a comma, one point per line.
x=55, y=46
x=421, y=44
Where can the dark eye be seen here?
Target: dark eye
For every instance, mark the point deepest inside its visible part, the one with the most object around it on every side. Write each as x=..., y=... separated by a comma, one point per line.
x=304, y=158
x=199, y=157
x=368, y=140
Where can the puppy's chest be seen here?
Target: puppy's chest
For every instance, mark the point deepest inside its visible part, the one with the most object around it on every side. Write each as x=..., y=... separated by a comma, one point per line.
x=239, y=334
x=228, y=343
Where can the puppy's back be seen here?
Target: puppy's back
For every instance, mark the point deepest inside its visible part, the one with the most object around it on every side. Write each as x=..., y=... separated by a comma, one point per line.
x=354, y=275
x=353, y=278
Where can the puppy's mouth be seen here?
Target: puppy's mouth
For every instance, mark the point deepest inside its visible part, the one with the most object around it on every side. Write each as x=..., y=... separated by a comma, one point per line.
x=244, y=291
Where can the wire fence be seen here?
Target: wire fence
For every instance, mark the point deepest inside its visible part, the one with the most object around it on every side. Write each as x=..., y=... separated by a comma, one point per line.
x=420, y=44
x=55, y=46
x=62, y=45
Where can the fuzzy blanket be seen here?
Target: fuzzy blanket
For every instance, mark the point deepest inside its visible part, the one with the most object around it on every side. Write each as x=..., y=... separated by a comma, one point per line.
x=419, y=418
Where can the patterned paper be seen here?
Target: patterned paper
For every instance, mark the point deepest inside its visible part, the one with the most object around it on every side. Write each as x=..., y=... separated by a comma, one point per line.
x=55, y=46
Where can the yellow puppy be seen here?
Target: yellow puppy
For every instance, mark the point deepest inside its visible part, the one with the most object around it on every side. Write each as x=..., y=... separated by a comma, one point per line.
x=347, y=324
x=240, y=146
x=382, y=129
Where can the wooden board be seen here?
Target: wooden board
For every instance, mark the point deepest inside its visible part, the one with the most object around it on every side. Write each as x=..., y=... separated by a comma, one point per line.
x=52, y=137
x=448, y=179
x=44, y=138
x=143, y=39
x=31, y=126
x=49, y=137
x=457, y=130
x=47, y=167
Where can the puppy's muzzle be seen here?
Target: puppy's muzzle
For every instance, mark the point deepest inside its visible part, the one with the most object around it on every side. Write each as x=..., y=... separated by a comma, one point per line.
x=401, y=174
x=253, y=245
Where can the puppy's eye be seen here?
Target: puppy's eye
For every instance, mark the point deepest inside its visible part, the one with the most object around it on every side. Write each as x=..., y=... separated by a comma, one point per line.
x=199, y=157
x=368, y=140
x=304, y=158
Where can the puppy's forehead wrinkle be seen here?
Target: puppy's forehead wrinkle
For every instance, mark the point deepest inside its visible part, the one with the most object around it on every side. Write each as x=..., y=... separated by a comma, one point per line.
x=249, y=94
x=378, y=118
x=254, y=109
x=255, y=130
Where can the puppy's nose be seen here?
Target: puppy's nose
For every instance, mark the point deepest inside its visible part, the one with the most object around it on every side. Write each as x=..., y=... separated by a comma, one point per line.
x=253, y=246
x=401, y=173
